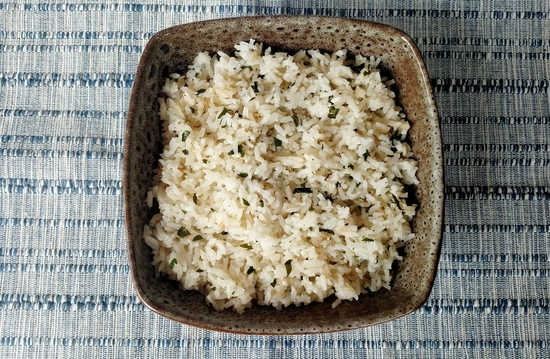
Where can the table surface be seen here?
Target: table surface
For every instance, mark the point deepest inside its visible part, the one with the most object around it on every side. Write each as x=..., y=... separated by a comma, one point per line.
x=66, y=72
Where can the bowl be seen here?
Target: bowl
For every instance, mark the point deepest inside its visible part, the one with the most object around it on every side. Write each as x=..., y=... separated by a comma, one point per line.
x=171, y=50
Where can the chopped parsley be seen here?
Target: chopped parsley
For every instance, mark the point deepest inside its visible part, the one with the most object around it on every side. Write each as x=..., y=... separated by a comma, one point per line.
x=204, y=161
x=288, y=266
x=243, y=175
x=397, y=203
x=201, y=91
x=239, y=149
x=255, y=87
x=274, y=283
x=250, y=270
x=224, y=112
x=262, y=203
x=246, y=67
x=184, y=211
x=195, y=200
x=173, y=262
x=351, y=166
x=296, y=120
x=245, y=202
x=330, y=231
x=302, y=190
x=366, y=155
x=395, y=136
x=332, y=112
x=213, y=210
x=246, y=246
x=277, y=142
x=185, y=152
x=199, y=270
x=198, y=237
x=183, y=232
x=224, y=233
x=368, y=239
x=185, y=134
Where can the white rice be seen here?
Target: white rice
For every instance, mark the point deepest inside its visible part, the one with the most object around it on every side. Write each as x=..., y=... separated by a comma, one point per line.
x=246, y=138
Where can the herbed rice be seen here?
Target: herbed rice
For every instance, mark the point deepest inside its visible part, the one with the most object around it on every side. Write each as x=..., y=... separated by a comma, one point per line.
x=282, y=179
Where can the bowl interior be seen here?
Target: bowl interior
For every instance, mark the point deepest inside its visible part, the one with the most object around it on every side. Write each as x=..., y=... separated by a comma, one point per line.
x=171, y=50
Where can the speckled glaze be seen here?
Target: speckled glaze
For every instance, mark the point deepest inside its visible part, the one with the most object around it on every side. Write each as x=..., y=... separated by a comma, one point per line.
x=171, y=50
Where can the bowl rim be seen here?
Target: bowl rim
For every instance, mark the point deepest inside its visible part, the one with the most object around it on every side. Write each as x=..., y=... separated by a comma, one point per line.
x=139, y=78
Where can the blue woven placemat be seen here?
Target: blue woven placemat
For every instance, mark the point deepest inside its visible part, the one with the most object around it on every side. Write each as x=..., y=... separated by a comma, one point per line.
x=66, y=71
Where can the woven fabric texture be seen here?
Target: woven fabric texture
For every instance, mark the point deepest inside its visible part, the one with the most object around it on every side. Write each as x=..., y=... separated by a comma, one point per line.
x=66, y=72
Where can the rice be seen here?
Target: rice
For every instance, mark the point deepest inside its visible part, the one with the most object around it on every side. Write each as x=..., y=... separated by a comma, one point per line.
x=283, y=178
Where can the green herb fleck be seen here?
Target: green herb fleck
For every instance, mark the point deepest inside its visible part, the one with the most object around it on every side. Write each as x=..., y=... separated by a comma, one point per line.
x=246, y=67
x=245, y=202
x=310, y=228
x=395, y=136
x=224, y=233
x=396, y=201
x=262, y=203
x=198, y=237
x=351, y=166
x=302, y=190
x=185, y=152
x=332, y=112
x=250, y=270
x=252, y=99
x=330, y=231
x=224, y=112
x=213, y=210
x=184, y=211
x=173, y=262
x=204, y=161
x=277, y=142
x=296, y=120
x=239, y=149
x=199, y=270
x=255, y=87
x=243, y=175
x=183, y=232
x=184, y=135
x=274, y=283
x=366, y=155
x=201, y=91
x=195, y=200
x=246, y=246
x=368, y=239
x=288, y=266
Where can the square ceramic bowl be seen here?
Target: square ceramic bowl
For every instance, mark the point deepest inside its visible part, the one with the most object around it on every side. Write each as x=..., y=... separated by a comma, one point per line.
x=171, y=50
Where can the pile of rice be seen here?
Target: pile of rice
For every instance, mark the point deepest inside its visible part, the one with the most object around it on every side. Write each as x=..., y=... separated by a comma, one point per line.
x=282, y=179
